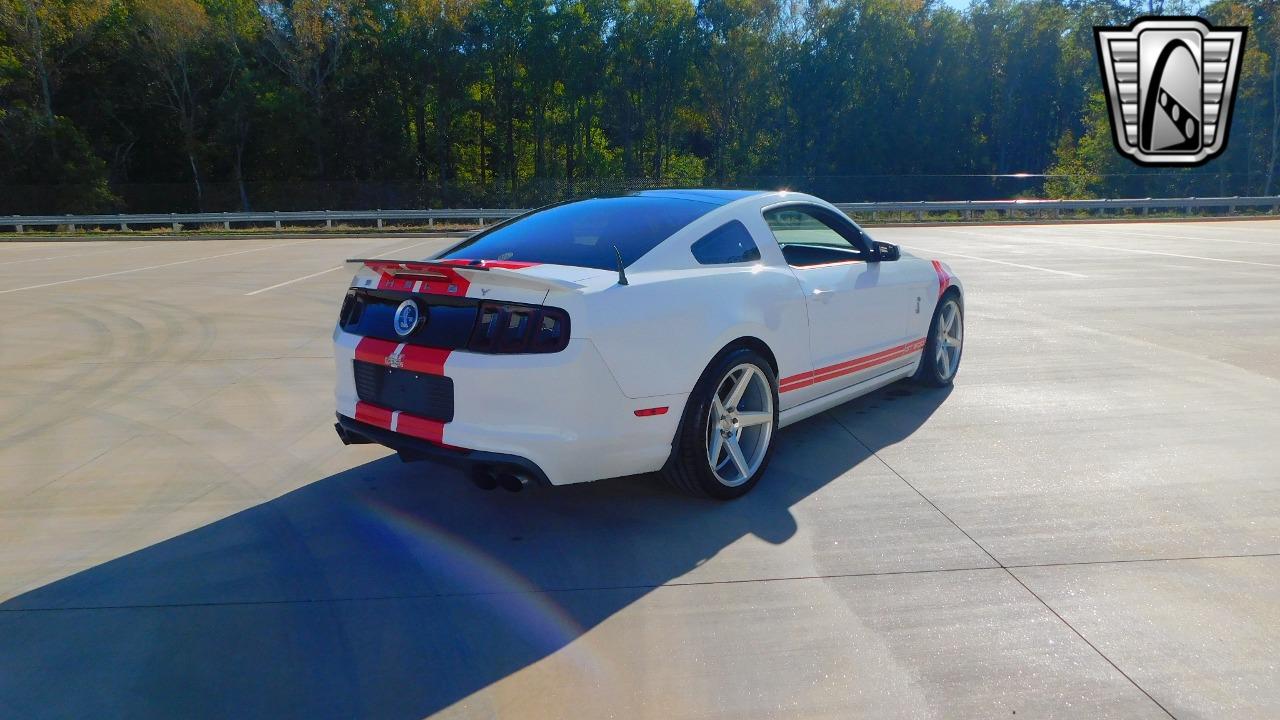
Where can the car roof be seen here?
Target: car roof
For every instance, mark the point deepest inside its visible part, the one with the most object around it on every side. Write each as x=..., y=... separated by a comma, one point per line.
x=714, y=197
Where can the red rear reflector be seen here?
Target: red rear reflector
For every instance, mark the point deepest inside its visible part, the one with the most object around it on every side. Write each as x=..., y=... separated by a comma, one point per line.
x=648, y=412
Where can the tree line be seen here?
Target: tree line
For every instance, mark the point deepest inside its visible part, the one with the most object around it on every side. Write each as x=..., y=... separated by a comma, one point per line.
x=174, y=105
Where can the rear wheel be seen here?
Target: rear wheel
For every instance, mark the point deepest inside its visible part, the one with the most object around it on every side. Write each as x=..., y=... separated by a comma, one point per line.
x=725, y=439
x=943, y=348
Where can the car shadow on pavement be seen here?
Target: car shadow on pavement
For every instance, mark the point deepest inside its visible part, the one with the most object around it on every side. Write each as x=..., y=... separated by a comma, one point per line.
x=394, y=590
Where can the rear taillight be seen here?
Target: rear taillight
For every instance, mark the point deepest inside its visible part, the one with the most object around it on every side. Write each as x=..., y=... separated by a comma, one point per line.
x=514, y=328
x=351, y=308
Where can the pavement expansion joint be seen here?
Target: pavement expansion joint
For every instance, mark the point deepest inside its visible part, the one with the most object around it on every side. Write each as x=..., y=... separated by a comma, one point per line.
x=1003, y=567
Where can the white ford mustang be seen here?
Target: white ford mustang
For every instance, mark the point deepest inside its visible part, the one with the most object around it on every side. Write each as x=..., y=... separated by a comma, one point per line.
x=670, y=331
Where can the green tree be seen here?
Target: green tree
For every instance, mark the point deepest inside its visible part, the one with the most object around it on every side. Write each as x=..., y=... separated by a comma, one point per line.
x=426, y=55
x=305, y=41
x=652, y=51
x=325, y=103
x=1083, y=167
x=581, y=52
x=173, y=38
x=43, y=36
x=736, y=86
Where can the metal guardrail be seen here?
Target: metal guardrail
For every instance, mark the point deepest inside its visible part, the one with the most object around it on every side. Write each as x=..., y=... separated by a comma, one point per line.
x=178, y=221
x=379, y=218
x=1055, y=208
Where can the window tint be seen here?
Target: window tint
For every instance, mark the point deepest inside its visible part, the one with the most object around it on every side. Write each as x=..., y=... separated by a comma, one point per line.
x=729, y=243
x=585, y=233
x=793, y=225
x=806, y=239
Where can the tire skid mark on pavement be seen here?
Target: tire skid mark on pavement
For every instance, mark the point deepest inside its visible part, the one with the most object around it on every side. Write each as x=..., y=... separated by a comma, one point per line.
x=186, y=261
x=997, y=262
x=131, y=379
x=381, y=254
x=93, y=388
x=73, y=255
x=1130, y=233
x=1085, y=244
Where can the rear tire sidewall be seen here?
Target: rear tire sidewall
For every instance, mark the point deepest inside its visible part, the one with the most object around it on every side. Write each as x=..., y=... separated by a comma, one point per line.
x=690, y=450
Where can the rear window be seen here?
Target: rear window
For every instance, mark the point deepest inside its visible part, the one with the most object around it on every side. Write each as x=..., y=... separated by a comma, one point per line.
x=585, y=233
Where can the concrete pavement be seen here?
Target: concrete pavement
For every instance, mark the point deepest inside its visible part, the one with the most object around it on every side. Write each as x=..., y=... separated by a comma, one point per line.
x=1087, y=525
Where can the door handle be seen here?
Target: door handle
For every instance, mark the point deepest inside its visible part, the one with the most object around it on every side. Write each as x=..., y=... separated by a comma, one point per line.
x=822, y=295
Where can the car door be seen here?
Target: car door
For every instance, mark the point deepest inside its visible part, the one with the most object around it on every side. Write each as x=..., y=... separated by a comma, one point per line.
x=858, y=306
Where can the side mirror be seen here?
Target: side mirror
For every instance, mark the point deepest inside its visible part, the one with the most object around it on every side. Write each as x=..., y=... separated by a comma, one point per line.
x=881, y=251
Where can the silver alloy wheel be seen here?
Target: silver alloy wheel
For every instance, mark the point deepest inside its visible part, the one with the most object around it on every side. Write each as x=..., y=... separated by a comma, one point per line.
x=949, y=340
x=739, y=424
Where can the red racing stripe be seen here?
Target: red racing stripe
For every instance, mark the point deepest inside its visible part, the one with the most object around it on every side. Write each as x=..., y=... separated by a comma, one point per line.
x=373, y=414
x=813, y=377
x=433, y=281
x=423, y=359
x=374, y=350
x=399, y=422
x=411, y=357
x=422, y=428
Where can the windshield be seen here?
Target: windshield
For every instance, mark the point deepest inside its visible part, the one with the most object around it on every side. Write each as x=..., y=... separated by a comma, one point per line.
x=585, y=233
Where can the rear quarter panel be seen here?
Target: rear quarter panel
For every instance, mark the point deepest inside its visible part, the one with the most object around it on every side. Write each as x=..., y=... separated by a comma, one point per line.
x=658, y=334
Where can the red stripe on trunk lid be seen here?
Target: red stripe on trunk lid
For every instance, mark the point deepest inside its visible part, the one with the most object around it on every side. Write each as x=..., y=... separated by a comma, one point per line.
x=410, y=357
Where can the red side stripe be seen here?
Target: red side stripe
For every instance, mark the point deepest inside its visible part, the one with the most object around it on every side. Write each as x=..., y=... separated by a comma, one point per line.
x=873, y=359
x=944, y=277
x=828, y=375
x=805, y=379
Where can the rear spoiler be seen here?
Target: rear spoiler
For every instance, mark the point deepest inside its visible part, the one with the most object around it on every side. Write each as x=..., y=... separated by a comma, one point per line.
x=488, y=272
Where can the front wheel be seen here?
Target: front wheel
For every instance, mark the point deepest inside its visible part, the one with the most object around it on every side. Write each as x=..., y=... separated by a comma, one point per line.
x=726, y=436
x=942, y=350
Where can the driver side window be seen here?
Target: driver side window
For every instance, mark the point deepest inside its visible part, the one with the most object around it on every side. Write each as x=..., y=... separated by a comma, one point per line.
x=806, y=239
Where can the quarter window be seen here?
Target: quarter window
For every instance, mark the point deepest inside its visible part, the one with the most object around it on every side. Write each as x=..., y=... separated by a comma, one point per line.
x=729, y=243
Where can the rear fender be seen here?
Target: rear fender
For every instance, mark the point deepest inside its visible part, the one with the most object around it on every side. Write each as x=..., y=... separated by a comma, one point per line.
x=658, y=334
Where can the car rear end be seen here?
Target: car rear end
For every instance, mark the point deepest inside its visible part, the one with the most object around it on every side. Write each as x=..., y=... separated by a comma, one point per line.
x=485, y=365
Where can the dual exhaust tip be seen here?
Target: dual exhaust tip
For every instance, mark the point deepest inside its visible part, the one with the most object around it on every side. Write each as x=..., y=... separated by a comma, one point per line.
x=484, y=477
x=490, y=478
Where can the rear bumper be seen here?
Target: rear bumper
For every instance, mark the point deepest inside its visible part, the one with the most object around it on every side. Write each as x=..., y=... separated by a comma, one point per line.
x=562, y=413
x=353, y=432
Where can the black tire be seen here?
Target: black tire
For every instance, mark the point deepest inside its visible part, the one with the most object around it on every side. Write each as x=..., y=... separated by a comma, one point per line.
x=688, y=469
x=929, y=373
